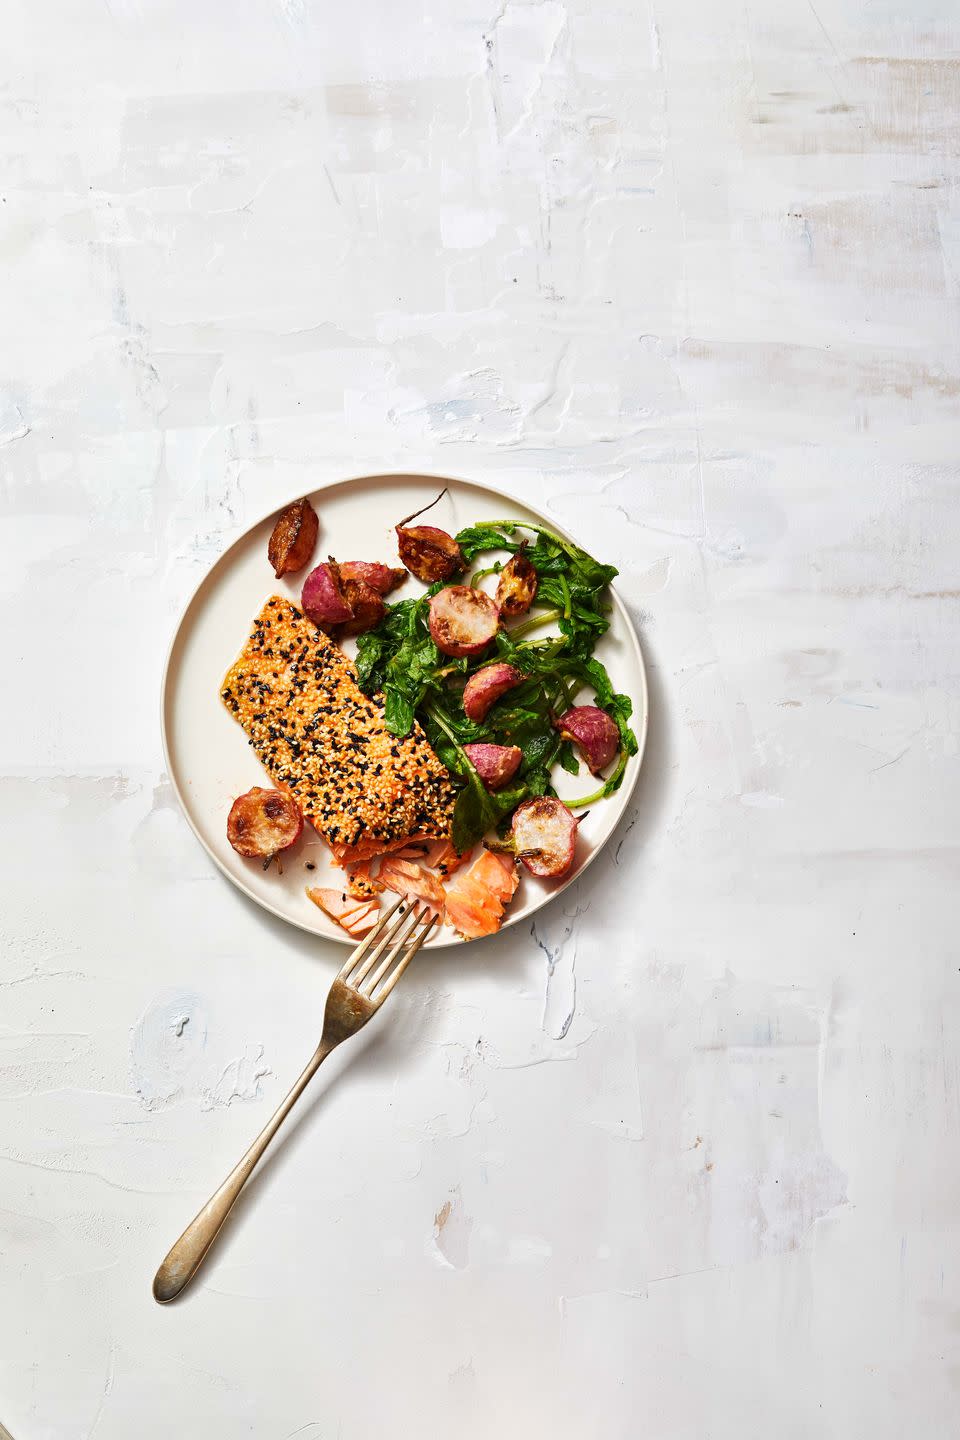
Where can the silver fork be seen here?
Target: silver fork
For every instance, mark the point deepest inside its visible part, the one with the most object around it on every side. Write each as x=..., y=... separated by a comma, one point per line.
x=353, y=999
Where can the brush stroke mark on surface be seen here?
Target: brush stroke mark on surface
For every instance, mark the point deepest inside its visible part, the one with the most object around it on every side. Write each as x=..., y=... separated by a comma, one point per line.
x=170, y=1060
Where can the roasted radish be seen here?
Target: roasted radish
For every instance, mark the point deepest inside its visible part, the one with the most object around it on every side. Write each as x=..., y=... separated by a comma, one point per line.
x=366, y=606
x=429, y=553
x=495, y=764
x=544, y=833
x=382, y=578
x=294, y=536
x=482, y=689
x=517, y=588
x=323, y=599
x=261, y=823
x=462, y=621
x=594, y=734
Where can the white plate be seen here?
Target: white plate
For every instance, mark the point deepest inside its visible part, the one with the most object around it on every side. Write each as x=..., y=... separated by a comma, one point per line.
x=206, y=751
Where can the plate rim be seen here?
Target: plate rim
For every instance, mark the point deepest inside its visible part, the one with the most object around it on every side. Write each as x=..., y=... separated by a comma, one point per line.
x=442, y=942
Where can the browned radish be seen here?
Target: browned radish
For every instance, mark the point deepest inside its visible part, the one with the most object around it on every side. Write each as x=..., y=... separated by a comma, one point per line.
x=517, y=587
x=545, y=833
x=462, y=621
x=323, y=599
x=593, y=732
x=294, y=536
x=482, y=689
x=261, y=823
x=382, y=578
x=366, y=605
x=495, y=764
x=429, y=553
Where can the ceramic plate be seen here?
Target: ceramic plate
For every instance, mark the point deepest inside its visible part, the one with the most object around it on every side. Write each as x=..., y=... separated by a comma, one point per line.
x=207, y=754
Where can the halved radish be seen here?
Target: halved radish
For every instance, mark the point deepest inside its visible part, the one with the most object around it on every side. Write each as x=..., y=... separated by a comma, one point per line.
x=593, y=732
x=463, y=621
x=261, y=823
x=484, y=688
x=382, y=578
x=323, y=599
x=495, y=764
x=545, y=833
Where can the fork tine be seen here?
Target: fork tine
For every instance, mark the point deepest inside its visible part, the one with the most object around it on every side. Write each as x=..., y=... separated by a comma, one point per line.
x=406, y=957
x=357, y=955
x=394, y=950
x=387, y=937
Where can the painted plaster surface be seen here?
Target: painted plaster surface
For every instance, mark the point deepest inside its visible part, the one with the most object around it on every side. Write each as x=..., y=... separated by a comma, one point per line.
x=681, y=1161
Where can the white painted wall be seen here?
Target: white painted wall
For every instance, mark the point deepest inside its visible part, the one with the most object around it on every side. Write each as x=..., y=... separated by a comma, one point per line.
x=686, y=275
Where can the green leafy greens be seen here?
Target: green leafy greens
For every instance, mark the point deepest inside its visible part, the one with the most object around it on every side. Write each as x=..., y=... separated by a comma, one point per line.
x=400, y=659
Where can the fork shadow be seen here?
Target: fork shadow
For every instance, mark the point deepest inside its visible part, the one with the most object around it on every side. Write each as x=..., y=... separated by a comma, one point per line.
x=381, y=1046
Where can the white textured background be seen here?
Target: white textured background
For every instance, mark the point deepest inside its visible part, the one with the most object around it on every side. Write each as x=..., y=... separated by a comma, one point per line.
x=683, y=1162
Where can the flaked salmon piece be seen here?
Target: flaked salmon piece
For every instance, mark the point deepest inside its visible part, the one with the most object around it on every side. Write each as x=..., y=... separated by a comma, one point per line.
x=368, y=848
x=357, y=917
x=443, y=857
x=478, y=897
x=498, y=872
x=360, y=883
x=468, y=919
x=413, y=850
x=405, y=878
x=490, y=883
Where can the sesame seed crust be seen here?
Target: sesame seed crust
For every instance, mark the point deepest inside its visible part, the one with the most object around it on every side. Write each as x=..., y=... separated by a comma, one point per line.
x=295, y=694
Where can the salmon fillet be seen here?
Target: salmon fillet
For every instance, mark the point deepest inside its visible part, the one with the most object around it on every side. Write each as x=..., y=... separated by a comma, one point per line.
x=364, y=790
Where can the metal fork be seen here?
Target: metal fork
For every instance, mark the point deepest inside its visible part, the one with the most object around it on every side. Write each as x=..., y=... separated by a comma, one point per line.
x=353, y=999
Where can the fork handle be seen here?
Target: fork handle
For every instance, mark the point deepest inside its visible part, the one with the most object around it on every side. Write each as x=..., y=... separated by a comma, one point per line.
x=184, y=1257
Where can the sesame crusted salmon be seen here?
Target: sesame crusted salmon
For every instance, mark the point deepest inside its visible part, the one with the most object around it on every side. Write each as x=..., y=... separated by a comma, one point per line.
x=363, y=789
